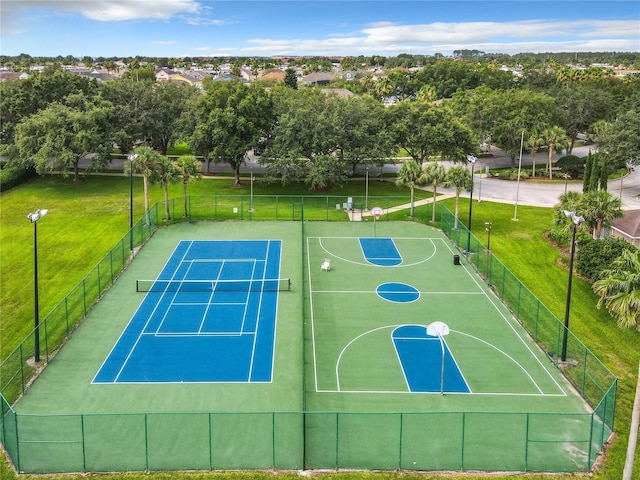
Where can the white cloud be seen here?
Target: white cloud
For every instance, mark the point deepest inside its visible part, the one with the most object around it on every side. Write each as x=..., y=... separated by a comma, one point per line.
x=99, y=10
x=109, y=10
x=491, y=37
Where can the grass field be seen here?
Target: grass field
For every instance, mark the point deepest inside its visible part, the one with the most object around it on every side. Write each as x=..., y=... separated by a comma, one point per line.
x=519, y=244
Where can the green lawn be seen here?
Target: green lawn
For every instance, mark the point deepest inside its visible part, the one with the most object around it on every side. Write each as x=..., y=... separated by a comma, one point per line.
x=85, y=220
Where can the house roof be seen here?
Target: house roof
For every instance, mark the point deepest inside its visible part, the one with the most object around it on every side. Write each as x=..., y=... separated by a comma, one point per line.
x=340, y=92
x=629, y=224
x=273, y=74
x=317, y=77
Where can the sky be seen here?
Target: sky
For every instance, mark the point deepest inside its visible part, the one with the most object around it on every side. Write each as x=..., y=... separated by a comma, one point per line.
x=263, y=28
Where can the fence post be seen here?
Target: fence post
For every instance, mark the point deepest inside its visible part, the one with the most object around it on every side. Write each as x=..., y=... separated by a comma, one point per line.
x=84, y=453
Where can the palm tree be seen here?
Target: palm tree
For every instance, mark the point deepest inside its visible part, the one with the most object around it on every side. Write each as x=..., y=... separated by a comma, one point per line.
x=410, y=175
x=384, y=87
x=619, y=289
x=145, y=162
x=571, y=201
x=599, y=207
x=534, y=142
x=434, y=174
x=460, y=178
x=166, y=172
x=189, y=167
x=556, y=138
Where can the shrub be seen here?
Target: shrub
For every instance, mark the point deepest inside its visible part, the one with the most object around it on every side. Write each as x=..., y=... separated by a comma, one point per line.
x=13, y=176
x=597, y=255
x=560, y=236
x=571, y=164
x=512, y=174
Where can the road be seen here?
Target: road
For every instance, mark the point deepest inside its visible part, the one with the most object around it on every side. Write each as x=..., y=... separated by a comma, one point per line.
x=540, y=194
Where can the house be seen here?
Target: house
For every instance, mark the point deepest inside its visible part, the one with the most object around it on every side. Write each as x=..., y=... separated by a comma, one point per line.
x=317, y=78
x=13, y=76
x=343, y=93
x=627, y=227
x=273, y=74
x=164, y=74
x=191, y=78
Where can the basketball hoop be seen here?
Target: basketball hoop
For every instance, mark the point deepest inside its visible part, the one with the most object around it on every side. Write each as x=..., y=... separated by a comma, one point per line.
x=376, y=211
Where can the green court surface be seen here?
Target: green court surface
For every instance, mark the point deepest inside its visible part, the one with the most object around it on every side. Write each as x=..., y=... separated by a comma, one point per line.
x=340, y=395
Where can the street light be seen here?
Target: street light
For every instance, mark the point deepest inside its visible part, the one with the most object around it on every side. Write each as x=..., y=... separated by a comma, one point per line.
x=472, y=160
x=132, y=158
x=34, y=217
x=575, y=222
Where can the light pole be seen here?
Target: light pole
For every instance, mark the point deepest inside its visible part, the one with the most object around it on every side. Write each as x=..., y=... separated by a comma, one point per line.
x=472, y=160
x=131, y=158
x=488, y=224
x=480, y=182
x=251, y=197
x=575, y=222
x=366, y=190
x=34, y=217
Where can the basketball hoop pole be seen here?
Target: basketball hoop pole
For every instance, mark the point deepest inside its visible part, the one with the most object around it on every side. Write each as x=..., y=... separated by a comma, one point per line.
x=377, y=211
x=439, y=329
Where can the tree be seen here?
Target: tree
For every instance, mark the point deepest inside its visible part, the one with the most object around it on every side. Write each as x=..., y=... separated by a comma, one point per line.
x=129, y=99
x=189, y=167
x=145, y=162
x=362, y=134
x=161, y=113
x=304, y=143
x=506, y=114
x=434, y=175
x=383, y=88
x=556, y=139
x=59, y=136
x=534, y=141
x=619, y=289
x=166, y=172
x=588, y=167
x=291, y=78
x=234, y=117
x=583, y=104
x=621, y=142
x=599, y=207
x=410, y=175
x=458, y=177
x=425, y=130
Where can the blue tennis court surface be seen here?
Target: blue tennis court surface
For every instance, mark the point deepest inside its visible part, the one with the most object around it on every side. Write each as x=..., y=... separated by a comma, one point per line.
x=210, y=316
x=380, y=251
x=421, y=356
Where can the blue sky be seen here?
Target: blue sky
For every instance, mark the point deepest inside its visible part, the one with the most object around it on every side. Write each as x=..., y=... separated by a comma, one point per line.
x=177, y=28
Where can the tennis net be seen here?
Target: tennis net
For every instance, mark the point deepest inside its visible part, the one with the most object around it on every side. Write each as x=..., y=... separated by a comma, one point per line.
x=253, y=285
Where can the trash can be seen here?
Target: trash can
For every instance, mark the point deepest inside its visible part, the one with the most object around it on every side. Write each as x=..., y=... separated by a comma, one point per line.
x=456, y=259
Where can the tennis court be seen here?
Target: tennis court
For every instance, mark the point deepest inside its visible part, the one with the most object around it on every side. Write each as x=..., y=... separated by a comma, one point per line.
x=225, y=345
x=214, y=300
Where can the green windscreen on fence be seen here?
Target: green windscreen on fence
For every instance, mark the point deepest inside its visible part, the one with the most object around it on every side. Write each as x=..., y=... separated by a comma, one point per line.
x=139, y=441
x=596, y=384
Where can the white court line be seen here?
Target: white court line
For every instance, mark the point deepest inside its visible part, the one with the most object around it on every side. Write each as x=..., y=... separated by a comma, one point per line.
x=482, y=291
